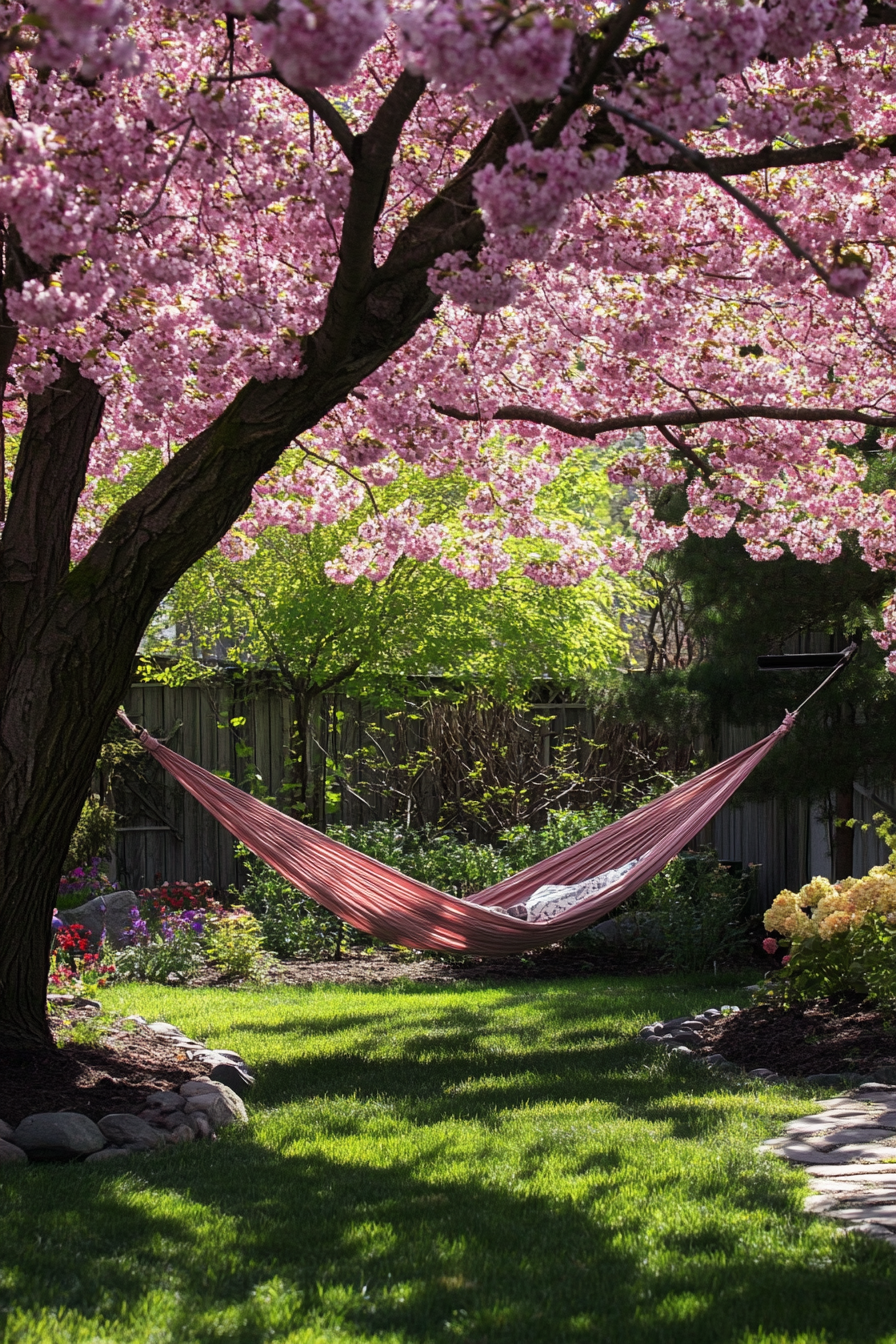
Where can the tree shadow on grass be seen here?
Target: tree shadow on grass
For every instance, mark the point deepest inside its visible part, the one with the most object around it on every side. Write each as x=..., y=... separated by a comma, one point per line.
x=396, y=1252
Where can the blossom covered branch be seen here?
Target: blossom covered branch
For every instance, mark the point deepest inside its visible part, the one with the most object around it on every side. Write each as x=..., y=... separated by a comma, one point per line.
x=501, y=210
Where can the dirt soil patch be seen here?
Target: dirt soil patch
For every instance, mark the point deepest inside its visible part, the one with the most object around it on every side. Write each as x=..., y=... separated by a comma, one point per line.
x=826, y=1036
x=113, y=1075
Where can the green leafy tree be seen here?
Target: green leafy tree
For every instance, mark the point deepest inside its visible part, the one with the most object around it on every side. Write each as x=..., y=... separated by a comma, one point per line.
x=278, y=610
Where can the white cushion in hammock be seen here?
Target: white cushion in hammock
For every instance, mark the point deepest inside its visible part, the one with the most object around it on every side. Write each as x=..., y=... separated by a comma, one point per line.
x=550, y=901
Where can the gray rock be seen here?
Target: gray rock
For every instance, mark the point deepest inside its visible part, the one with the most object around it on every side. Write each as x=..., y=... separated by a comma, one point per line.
x=886, y=1119
x=203, y=1056
x=847, y=1170
x=647, y=1031
x=804, y=1152
x=762, y=1073
x=711, y=1014
x=10, y=1152
x=681, y=1050
x=164, y=1102
x=715, y=1059
x=657, y=1040
x=137, y=1020
x=219, y=1102
x=58, y=1136
x=824, y=1079
x=6, y=1131
x=607, y=931
x=233, y=1057
x=864, y=1152
x=238, y=1080
x=105, y=1154
x=200, y=1124
x=869, y=1133
x=886, y=1074
x=127, y=1130
x=729, y=1008
x=163, y=1029
x=813, y=1124
x=112, y=912
x=194, y=1086
x=182, y=1133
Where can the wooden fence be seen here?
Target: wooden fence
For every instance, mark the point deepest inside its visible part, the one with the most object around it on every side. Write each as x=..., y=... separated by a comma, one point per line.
x=244, y=734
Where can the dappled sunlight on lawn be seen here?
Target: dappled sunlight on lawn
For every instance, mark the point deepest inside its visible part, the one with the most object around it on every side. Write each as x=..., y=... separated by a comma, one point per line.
x=473, y=1165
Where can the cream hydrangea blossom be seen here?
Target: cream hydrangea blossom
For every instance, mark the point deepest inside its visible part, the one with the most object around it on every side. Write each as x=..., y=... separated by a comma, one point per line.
x=822, y=909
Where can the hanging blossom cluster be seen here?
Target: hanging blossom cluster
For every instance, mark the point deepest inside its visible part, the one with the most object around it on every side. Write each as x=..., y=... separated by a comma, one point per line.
x=523, y=204
x=503, y=53
x=89, y=36
x=710, y=41
x=318, y=45
x=383, y=540
x=528, y=196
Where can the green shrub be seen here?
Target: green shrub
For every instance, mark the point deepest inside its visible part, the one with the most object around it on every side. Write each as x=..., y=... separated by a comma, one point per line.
x=234, y=944
x=290, y=923
x=695, y=914
x=94, y=834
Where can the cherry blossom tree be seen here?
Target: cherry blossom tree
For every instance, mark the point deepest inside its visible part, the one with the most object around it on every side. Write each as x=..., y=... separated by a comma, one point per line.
x=235, y=226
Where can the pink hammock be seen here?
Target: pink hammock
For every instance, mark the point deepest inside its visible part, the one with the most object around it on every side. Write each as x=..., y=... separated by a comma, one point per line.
x=383, y=902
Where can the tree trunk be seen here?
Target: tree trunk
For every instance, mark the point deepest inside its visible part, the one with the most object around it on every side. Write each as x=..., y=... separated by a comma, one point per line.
x=68, y=636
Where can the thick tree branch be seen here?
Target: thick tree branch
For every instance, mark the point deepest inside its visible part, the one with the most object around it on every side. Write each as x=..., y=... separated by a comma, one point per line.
x=834, y=151
x=616, y=29
x=373, y=157
x=592, y=429
x=331, y=117
x=51, y=466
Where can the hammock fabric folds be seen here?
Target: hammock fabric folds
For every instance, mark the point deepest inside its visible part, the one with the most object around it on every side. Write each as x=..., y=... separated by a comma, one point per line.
x=383, y=902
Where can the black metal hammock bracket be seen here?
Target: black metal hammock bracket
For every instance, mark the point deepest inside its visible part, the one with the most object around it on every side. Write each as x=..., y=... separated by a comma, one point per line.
x=796, y=662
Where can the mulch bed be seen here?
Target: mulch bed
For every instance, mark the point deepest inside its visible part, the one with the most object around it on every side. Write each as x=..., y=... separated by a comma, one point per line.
x=111, y=1077
x=378, y=968
x=827, y=1036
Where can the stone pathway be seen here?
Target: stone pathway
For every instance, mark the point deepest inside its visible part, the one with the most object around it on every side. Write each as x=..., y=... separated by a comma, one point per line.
x=847, y=1144
x=848, y=1147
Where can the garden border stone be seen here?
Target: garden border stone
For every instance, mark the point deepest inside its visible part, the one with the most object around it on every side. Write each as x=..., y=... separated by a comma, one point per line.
x=200, y=1107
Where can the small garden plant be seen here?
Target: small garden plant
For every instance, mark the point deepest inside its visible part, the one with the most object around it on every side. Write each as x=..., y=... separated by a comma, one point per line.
x=83, y=883
x=74, y=967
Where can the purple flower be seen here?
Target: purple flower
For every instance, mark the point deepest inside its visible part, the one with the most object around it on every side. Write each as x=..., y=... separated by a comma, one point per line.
x=57, y=922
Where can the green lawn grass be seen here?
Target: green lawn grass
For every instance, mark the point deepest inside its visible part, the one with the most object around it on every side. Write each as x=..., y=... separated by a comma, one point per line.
x=446, y=1164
